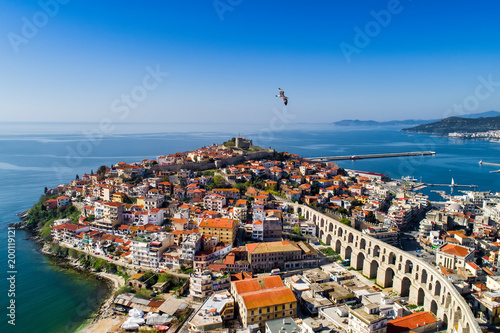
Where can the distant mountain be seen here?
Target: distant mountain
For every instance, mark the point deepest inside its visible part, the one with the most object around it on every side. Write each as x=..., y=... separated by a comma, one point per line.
x=457, y=124
x=409, y=122
x=356, y=122
x=481, y=115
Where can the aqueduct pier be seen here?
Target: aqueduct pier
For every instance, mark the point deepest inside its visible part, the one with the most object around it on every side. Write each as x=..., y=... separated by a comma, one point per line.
x=393, y=267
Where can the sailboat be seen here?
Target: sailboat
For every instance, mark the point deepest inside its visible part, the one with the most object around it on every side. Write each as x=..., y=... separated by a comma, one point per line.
x=452, y=183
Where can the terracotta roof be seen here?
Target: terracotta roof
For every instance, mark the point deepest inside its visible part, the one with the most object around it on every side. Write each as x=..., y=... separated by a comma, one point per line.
x=70, y=226
x=258, y=284
x=241, y=276
x=280, y=246
x=113, y=204
x=230, y=259
x=218, y=223
x=181, y=221
x=446, y=270
x=473, y=265
x=404, y=324
x=269, y=297
x=217, y=267
x=455, y=250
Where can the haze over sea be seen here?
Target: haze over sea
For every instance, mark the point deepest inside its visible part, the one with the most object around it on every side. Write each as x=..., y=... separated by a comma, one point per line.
x=32, y=156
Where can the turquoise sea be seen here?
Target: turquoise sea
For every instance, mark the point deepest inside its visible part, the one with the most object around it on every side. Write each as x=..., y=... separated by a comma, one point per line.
x=32, y=156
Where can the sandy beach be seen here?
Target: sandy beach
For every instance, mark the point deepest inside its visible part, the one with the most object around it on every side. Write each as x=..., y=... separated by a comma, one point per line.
x=105, y=320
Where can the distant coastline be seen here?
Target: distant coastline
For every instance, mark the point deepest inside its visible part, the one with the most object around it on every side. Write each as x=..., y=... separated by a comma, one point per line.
x=457, y=125
x=409, y=122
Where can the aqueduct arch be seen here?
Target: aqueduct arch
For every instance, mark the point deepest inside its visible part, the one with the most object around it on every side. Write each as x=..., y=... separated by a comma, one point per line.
x=411, y=275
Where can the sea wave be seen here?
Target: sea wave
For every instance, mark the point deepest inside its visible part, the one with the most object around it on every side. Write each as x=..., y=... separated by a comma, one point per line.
x=9, y=166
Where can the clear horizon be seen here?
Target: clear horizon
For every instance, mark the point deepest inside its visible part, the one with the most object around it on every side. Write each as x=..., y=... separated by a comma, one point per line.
x=223, y=61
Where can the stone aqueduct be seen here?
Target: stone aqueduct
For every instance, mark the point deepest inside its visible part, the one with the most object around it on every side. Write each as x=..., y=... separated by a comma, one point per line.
x=393, y=267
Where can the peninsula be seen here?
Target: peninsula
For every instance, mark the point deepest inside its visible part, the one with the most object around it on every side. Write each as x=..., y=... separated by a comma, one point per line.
x=458, y=125
x=235, y=237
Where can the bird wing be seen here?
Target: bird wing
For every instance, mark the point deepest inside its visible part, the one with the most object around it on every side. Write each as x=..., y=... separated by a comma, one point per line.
x=282, y=93
x=285, y=99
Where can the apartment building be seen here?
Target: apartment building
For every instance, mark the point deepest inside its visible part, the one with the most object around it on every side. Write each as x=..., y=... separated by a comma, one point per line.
x=148, y=253
x=262, y=299
x=190, y=245
x=214, y=202
x=228, y=193
x=270, y=255
x=204, y=283
x=213, y=313
x=66, y=232
x=385, y=234
x=224, y=229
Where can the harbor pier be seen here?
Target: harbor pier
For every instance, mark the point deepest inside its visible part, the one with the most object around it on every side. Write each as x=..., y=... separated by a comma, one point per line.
x=362, y=157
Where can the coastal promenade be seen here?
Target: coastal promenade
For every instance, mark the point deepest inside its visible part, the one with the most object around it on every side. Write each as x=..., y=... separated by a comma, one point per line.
x=362, y=157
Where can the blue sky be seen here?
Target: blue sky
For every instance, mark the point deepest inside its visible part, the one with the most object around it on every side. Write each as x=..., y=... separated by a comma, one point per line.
x=226, y=58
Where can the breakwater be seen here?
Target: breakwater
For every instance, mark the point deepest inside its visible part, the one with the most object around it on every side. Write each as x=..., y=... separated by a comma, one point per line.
x=362, y=157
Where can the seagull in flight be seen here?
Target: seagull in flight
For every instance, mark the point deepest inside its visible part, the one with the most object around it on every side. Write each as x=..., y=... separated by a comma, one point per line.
x=282, y=96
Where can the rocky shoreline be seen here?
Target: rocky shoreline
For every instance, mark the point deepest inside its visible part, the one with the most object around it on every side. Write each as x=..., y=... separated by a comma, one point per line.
x=113, y=282
x=67, y=263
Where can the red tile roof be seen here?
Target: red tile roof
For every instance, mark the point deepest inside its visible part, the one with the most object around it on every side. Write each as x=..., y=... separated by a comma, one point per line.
x=473, y=265
x=404, y=324
x=269, y=297
x=455, y=250
x=258, y=284
x=70, y=226
x=218, y=223
x=280, y=246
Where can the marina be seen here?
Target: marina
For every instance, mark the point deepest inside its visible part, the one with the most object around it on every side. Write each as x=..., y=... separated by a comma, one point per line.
x=420, y=186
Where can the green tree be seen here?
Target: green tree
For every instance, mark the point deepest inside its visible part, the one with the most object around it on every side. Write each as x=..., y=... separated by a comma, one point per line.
x=241, y=186
x=296, y=230
x=341, y=172
x=346, y=221
x=102, y=170
x=123, y=290
x=219, y=181
x=315, y=189
x=370, y=217
x=342, y=211
x=356, y=202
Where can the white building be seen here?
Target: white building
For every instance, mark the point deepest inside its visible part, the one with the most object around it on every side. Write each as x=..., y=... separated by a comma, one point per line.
x=367, y=319
x=190, y=245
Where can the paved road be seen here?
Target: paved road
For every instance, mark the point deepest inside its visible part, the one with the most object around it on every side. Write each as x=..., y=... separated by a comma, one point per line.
x=410, y=244
x=127, y=265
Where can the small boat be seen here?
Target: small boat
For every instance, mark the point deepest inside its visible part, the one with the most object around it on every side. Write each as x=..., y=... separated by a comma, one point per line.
x=409, y=179
x=119, y=309
x=161, y=327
